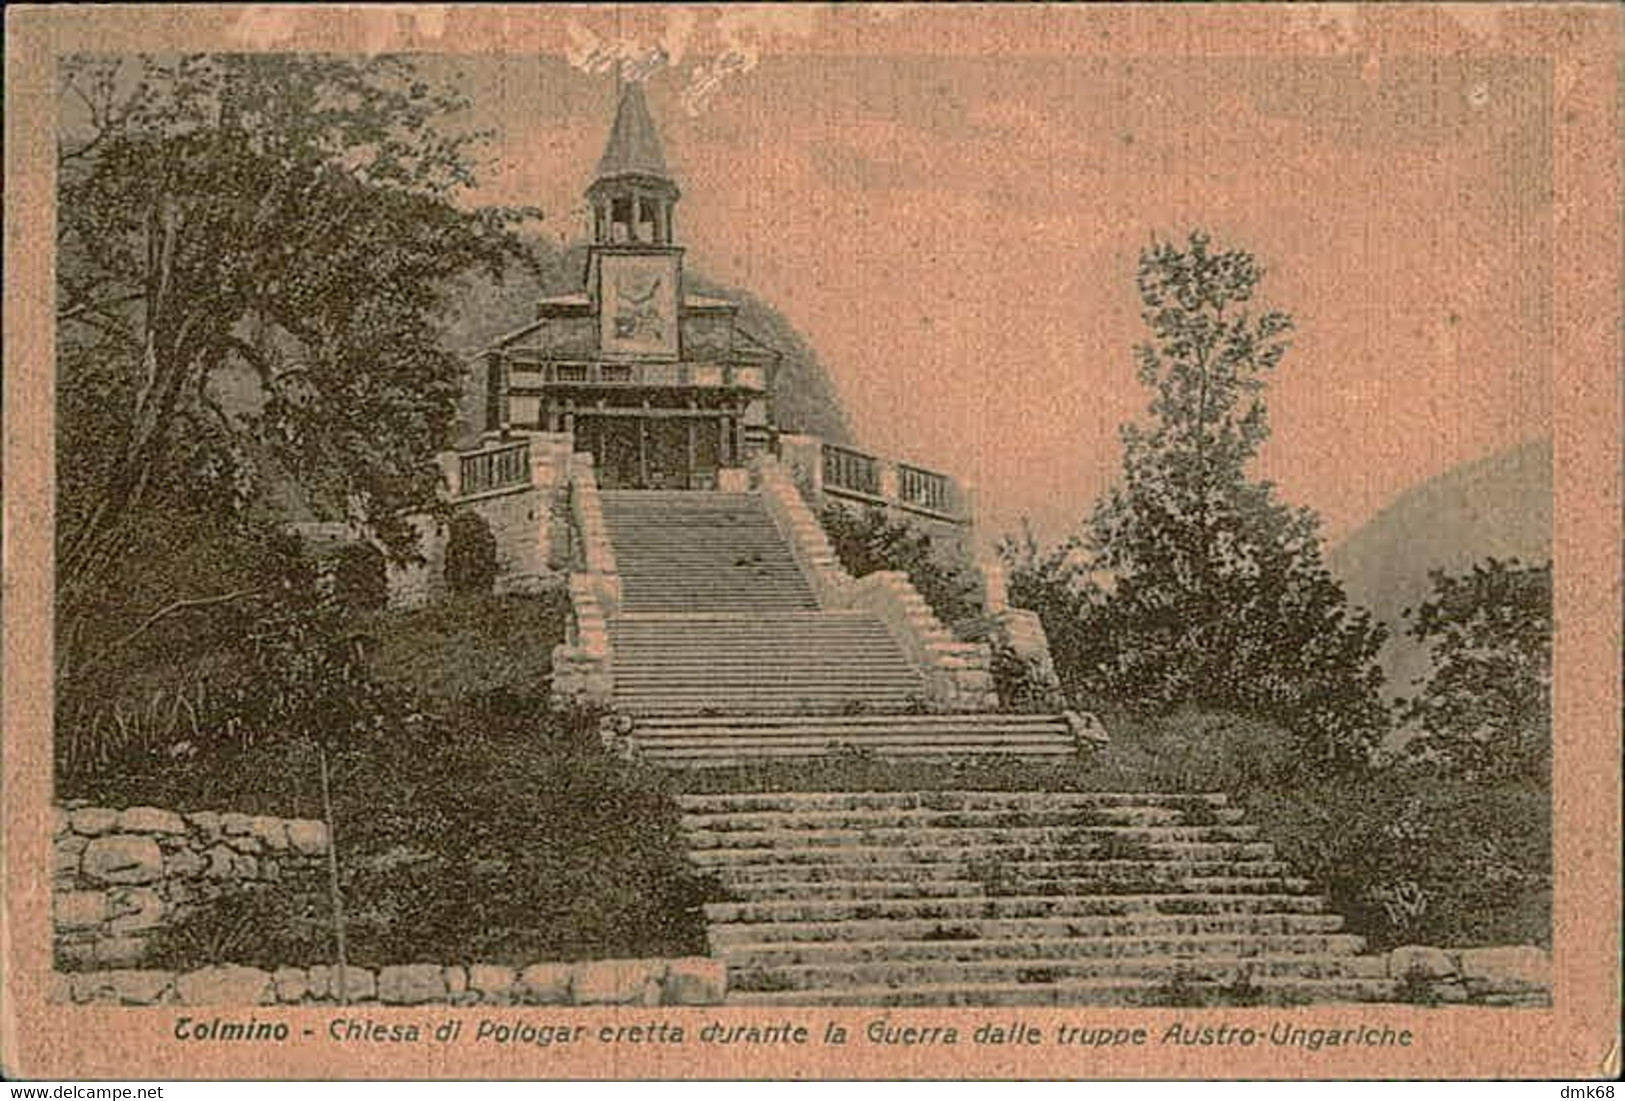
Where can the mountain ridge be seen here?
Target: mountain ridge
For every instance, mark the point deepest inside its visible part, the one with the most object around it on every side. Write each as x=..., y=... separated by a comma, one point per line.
x=1499, y=505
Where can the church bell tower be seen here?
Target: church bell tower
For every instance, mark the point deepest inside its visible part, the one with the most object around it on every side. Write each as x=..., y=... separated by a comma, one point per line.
x=635, y=268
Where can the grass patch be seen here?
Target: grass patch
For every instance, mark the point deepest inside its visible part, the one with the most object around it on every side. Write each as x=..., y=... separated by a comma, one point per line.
x=474, y=843
x=475, y=824
x=469, y=645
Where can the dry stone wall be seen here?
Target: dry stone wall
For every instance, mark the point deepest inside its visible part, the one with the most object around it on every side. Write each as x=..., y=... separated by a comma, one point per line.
x=1505, y=975
x=122, y=875
x=689, y=981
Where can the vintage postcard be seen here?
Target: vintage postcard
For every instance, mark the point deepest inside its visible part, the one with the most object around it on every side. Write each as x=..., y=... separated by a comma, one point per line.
x=836, y=541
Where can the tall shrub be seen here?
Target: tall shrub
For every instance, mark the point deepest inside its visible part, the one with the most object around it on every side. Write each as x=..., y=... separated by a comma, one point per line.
x=868, y=540
x=1207, y=589
x=471, y=554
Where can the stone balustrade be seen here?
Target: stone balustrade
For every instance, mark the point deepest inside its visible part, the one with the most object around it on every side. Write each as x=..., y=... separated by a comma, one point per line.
x=122, y=875
x=692, y=981
x=826, y=470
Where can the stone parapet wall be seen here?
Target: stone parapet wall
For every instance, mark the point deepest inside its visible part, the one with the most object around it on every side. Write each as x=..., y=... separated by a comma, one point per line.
x=123, y=875
x=1017, y=636
x=596, y=558
x=958, y=675
x=689, y=981
x=1510, y=975
x=583, y=665
x=809, y=544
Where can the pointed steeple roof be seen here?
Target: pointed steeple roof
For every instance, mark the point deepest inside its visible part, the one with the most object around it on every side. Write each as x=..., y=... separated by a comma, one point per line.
x=634, y=145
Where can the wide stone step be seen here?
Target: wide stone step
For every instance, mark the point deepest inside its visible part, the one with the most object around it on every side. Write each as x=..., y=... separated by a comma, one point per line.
x=830, y=703
x=776, y=692
x=1083, y=992
x=677, y=758
x=641, y=676
x=777, y=663
x=1035, y=971
x=751, y=821
x=1037, y=872
x=777, y=667
x=676, y=557
x=807, y=705
x=1171, y=850
x=724, y=937
x=678, y=604
x=811, y=637
x=842, y=640
x=897, y=747
x=853, y=657
x=834, y=953
x=924, y=742
x=931, y=836
x=1011, y=906
x=1013, y=883
x=735, y=802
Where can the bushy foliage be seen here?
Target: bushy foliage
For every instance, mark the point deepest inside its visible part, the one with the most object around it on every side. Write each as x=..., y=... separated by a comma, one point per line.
x=1485, y=708
x=473, y=820
x=868, y=540
x=251, y=263
x=307, y=676
x=1054, y=583
x=1191, y=583
x=1414, y=855
x=468, y=839
x=283, y=658
x=471, y=554
x=359, y=577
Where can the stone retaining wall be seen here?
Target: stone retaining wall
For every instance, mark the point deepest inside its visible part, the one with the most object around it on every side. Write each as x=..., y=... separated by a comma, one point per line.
x=693, y=981
x=1518, y=974
x=122, y=875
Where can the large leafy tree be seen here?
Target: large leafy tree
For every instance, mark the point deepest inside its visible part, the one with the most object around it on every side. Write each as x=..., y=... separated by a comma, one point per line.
x=252, y=252
x=1485, y=707
x=1207, y=588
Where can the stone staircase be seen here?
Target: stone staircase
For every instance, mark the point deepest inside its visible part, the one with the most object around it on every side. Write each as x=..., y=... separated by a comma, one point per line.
x=790, y=661
x=1013, y=898
x=717, y=617
x=723, y=655
x=687, y=551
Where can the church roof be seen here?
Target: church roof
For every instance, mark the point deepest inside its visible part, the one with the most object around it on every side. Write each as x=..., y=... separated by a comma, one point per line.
x=634, y=145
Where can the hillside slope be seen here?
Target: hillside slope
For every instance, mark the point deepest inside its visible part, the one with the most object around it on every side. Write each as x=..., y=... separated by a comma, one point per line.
x=1499, y=506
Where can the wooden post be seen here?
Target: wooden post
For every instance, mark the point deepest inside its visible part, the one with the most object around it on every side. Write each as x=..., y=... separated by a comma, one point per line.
x=643, y=450
x=335, y=891
x=693, y=448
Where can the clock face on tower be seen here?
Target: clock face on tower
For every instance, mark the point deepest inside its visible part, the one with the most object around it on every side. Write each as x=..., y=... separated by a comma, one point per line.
x=638, y=304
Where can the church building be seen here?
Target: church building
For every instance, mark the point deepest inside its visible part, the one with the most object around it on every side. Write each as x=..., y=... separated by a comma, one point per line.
x=660, y=384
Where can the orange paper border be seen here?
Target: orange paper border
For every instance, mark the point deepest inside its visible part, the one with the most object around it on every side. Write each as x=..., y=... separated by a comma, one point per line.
x=1577, y=1037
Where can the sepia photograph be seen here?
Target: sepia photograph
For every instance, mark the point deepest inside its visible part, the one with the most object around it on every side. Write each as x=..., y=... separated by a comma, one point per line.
x=710, y=533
